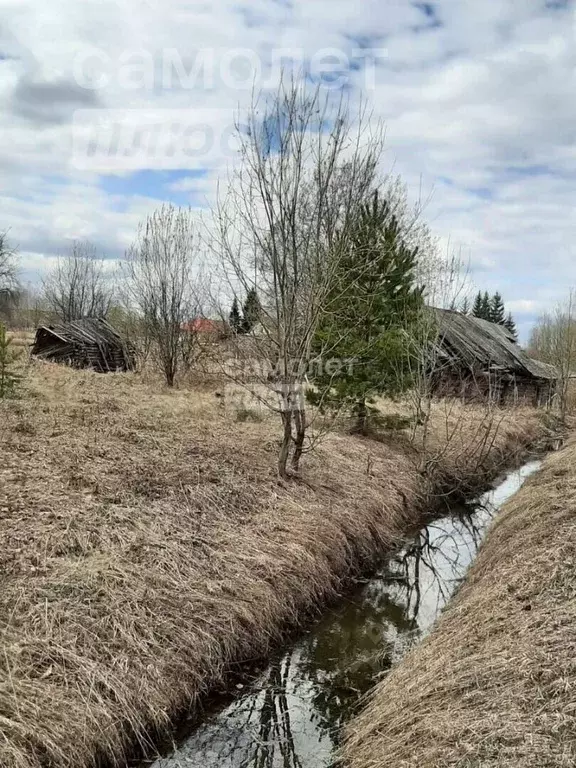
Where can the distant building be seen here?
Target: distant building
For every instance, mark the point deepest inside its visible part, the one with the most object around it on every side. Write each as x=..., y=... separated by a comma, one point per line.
x=206, y=327
x=475, y=359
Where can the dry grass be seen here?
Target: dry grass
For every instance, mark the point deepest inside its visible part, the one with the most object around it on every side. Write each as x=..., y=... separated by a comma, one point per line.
x=495, y=682
x=21, y=338
x=146, y=545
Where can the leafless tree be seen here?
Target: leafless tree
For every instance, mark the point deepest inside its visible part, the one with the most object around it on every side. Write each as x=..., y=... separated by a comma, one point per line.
x=79, y=285
x=161, y=270
x=8, y=275
x=282, y=228
x=445, y=279
x=553, y=340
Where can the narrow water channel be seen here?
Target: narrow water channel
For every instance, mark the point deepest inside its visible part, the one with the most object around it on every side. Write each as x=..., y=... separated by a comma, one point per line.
x=291, y=716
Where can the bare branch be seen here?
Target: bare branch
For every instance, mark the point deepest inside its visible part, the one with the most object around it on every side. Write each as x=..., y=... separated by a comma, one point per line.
x=282, y=229
x=160, y=268
x=79, y=285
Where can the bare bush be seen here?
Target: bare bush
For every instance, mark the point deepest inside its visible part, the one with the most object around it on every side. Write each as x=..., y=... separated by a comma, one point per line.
x=8, y=276
x=553, y=340
x=161, y=270
x=444, y=277
x=131, y=326
x=79, y=285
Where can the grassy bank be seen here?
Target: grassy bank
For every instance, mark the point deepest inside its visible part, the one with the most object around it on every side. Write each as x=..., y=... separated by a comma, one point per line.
x=146, y=544
x=493, y=685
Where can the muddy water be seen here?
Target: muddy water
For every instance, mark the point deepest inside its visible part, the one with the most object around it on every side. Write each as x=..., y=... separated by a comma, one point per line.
x=290, y=717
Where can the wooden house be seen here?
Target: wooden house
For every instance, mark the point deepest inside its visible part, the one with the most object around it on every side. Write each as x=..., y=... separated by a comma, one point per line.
x=86, y=343
x=475, y=359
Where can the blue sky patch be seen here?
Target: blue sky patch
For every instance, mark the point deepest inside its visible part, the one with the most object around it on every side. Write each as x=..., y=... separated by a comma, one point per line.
x=484, y=193
x=157, y=185
x=529, y=170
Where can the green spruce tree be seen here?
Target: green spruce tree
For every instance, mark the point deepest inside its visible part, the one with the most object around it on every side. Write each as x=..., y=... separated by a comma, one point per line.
x=235, y=319
x=497, y=310
x=486, y=310
x=10, y=378
x=477, y=307
x=374, y=305
x=251, y=311
x=465, y=306
x=510, y=325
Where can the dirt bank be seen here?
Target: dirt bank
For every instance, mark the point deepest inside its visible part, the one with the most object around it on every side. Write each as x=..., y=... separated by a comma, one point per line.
x=493, y=685
x=146, y=544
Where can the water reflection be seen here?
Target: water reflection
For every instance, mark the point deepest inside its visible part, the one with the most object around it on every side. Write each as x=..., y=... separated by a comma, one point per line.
x=292, y=716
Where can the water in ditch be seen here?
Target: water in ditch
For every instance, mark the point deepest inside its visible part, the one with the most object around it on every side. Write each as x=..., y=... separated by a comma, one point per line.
x=291, y=716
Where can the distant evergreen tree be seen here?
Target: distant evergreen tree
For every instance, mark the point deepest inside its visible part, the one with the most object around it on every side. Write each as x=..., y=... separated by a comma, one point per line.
x=477, y=306
x=493, y=310
x=482, y=307
x=235, y=319
x=465, y=306
x=251, y=310
x=453, y=306
x=486, y=312
x=511, y=325
x=497, y=310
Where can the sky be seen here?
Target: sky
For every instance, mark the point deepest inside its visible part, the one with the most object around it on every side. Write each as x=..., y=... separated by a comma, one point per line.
x=477, y=98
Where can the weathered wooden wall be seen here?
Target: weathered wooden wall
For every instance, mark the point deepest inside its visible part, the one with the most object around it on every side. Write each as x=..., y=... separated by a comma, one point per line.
x=504, y=389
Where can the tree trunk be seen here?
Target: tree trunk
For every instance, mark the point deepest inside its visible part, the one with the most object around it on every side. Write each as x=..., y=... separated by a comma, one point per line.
x=300, y=422
x=564, y=399
x=286, y=442
x=361, y=416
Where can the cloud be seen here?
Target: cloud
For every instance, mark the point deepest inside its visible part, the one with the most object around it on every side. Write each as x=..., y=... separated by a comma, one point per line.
x=525, y=306
x=50, y=102
x=477, y=98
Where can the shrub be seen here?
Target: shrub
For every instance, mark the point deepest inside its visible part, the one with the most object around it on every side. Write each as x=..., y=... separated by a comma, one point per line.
x=10, y=378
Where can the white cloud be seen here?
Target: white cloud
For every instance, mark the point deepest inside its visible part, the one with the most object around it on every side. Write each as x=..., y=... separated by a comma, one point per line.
x=478, y=106
x=525, y=306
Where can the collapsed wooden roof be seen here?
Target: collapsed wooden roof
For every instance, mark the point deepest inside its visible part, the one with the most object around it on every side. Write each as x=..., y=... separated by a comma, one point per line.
x=90, y=342
x=476, y=343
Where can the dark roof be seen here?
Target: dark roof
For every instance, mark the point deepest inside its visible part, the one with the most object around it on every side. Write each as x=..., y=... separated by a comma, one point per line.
x=88, y=342
x=88, y=329
x=476, y=342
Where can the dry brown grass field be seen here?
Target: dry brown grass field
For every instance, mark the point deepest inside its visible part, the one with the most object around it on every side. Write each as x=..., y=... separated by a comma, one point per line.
x=495, y=682
x=146, y=545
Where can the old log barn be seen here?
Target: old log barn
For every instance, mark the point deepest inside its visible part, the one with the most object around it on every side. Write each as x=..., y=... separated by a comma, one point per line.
x=474, y=359
x=87, y=343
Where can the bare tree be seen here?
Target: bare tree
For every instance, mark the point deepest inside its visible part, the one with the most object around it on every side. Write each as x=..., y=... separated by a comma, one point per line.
x=445, y=279
x=79, y=285
x=282, y=229
x=161, y=269
x=9, y=287
x=553, y=340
